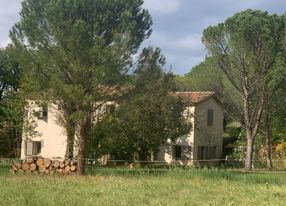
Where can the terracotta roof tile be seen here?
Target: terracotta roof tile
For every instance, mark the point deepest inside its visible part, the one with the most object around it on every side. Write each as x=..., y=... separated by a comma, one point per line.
x=194, y=97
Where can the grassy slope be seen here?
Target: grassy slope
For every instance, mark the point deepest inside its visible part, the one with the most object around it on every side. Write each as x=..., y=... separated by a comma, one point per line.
x=136, y=187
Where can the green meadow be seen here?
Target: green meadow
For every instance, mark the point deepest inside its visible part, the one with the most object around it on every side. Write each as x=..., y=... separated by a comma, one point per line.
x=123, y=186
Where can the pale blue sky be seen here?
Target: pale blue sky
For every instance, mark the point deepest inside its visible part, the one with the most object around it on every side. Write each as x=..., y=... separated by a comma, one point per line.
x=177, y=28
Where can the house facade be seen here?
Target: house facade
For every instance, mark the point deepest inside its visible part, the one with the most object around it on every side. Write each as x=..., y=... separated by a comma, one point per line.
x=204, y=141
x=49, y=138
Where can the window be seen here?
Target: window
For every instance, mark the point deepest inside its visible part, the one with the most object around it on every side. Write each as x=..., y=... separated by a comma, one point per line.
x=210, y=117
x=205, y=152
x=42, y=113
x=202, y=152
x=224, y=124
x=33, y=148
x=45, y=113
x=212, y=152
x=177, y=152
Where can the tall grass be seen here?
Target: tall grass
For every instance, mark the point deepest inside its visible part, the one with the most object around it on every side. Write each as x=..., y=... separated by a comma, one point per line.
x=122, y=186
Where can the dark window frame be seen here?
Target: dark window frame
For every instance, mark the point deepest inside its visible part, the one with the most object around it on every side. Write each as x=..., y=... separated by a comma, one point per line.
x=45, y=113
x=177, y=152
x=207, y=152
x=42, y=113
x=210, y=117
x=36, y=148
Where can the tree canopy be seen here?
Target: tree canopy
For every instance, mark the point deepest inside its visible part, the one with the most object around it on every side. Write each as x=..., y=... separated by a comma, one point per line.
x=147, y=117
x=246, y=47
x=79, y=50
x=11, y=103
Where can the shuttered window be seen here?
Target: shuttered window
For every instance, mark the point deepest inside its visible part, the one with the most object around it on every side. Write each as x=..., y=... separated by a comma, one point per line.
x=42, y=113
x=45, y=113
x=210, y=117
x=33, y=148
x=29, y=150
x=212, y=152
x=202, y=152
x=177, y=152
x=205, y=152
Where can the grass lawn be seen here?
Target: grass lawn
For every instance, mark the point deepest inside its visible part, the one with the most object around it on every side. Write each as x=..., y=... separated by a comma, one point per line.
x=145, y=187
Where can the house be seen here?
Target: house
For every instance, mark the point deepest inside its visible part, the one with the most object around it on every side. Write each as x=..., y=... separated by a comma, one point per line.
x=204, y=142
x=48, y=138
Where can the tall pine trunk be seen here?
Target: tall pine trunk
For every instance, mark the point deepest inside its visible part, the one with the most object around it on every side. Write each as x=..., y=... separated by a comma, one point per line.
x=84, y=130
x=267, y=141
x=70, y=127
x=249, y=151
x=268, y=149
x=252, y=123
x=249, y=132
x=70, y=140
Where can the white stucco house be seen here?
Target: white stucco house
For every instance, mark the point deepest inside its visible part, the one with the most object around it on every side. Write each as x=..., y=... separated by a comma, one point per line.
x=204, y=142
x=203, y=109
x=49, y=138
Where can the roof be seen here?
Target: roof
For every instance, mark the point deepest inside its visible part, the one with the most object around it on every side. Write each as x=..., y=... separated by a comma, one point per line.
x=196, y=97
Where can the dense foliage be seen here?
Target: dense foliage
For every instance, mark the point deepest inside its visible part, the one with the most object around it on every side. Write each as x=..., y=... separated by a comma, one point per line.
x=78, y=50
x=11, y=103
x=246, y=68
x=144, y=119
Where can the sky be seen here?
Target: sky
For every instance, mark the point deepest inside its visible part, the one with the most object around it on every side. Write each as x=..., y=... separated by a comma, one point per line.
x=177, y=25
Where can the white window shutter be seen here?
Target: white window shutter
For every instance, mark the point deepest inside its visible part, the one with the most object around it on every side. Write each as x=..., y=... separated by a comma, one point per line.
x=29, y=148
